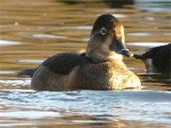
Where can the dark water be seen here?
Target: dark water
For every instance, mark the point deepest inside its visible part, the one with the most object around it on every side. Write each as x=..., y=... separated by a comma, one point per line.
x=31, y=31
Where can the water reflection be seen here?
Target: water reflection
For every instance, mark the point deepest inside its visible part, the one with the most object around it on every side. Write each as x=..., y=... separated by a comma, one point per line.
x=85, y=107
x=6, y=42
x=153, y=5
x=147, y=34
x=35, y=27
x=155, y=78
x=18, y=83
x=78, y=27
x=147, y=44
x=6, y=72
x=48, y=36
x=31, y=61
x=112, y=3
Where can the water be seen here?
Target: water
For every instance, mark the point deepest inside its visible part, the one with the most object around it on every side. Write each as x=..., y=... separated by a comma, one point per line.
x=87, y=108
x=32, y=31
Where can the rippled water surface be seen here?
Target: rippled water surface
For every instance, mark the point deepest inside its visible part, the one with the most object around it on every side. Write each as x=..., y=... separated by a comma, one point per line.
x=31, y=31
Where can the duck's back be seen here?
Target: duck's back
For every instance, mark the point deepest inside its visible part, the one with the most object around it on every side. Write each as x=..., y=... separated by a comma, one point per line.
x=58, y=71
x=63, y=63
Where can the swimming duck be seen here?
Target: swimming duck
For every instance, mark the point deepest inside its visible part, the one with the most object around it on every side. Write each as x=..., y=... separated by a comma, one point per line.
x=99, y=68
x=157, y=59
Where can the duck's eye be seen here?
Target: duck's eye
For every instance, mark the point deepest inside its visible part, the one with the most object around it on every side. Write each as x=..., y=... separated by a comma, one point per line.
x=103, y=31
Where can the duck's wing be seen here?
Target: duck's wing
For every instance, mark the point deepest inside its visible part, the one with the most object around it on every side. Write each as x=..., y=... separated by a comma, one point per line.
x=63, y=63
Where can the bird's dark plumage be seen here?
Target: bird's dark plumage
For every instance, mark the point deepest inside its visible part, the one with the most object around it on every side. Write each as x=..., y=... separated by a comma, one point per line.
x=161, y=58
x=63, y=63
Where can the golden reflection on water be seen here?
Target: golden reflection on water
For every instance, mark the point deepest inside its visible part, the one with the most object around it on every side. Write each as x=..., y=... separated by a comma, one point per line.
x=43, y=28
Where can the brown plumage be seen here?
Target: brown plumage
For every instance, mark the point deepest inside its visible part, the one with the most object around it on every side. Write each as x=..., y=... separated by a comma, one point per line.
x=100, y=68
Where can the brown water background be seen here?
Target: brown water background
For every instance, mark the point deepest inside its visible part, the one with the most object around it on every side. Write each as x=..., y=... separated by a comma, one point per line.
x=33, y=30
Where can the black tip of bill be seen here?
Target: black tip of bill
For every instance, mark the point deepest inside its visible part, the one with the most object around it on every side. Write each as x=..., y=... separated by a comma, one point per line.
x=126, y=52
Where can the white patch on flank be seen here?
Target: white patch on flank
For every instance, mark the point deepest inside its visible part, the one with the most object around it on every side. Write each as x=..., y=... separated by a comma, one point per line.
x=148, y=62
x=149, y=65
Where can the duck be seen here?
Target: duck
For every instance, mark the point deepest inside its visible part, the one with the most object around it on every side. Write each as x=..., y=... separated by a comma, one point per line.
x=157, y=59
x=101, y=67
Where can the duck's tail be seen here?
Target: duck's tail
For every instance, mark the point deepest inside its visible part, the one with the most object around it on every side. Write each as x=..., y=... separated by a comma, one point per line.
x=26, y=73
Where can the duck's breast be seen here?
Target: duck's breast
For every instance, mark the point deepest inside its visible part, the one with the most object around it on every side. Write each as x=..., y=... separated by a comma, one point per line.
x=106, y=76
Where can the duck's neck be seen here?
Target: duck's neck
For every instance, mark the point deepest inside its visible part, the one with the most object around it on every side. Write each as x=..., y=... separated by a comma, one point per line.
x=98, y=57
x=95, y=57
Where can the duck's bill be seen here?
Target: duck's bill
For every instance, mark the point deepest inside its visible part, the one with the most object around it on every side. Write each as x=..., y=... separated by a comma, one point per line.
x=125, y=52
x=119, y=47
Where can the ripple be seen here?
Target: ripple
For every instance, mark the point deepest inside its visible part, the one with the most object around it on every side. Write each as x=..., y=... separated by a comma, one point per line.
x=147, y=34
x=153, y=106
x=15, y=82
x=7, y=72
x=149, y=74
x=78, y=27
x=31, y=61
x=134, y=68
x=147, y=44
x=153, y=5
x=115, y=15
x=6, y=42
x=86, y=39
x=119, y=15
x=31, y=115
x=49, y=36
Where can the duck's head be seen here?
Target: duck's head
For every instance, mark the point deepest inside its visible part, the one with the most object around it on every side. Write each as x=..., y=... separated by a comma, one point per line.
x=107, y=40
